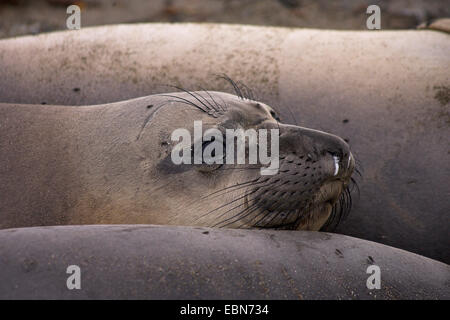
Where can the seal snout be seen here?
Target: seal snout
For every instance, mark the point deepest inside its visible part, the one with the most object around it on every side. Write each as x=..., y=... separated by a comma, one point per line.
x=318, y=166
x=324, y=147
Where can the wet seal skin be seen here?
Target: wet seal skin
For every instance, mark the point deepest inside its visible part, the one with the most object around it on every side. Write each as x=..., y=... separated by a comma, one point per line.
x=384, y=92
x=112, y=164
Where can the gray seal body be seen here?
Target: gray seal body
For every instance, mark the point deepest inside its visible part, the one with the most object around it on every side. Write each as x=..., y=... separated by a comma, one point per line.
x=156, y=262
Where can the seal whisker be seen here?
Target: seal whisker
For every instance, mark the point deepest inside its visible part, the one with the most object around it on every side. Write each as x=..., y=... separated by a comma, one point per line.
x=250, y=92
x=245, y=195
x=191, y=94
x=235, y=86
x=238, y=216
x=263, y=217
x=359, y=166
x=221, y=215
x=183, y=100
x=273, y=210
x=354, y=185
x=236, y=188
x=219, y=107
x=224, y=104
x=270, y=210
x=228, y=203
x=245, y=89
x=149, y=117
x=358, y=172
x=208, y=102
x=194, y=96
x=247, y=208
x=210, y=105
x=233, y=190
x=229, y=187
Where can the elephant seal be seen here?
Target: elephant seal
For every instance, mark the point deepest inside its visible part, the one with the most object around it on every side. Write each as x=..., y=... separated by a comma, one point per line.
x=386, y=92
x=166, y=262
x=113, y=164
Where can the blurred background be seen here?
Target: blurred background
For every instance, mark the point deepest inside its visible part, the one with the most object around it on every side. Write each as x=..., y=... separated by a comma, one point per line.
x=22, y=17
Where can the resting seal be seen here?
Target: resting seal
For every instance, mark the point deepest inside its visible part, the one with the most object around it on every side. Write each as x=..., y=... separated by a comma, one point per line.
x=167, y=262
x=386, y=92
x=111, y=164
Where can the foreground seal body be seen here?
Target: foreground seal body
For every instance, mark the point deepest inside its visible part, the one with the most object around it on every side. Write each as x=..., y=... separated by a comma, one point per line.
x=163, y=262
x=113, y=164
x=386, y=92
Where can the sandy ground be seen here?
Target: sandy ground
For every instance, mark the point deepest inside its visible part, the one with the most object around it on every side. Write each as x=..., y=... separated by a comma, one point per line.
x=21, y=17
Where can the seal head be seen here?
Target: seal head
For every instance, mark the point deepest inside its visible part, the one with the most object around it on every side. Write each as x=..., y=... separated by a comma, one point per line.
x=308, y=191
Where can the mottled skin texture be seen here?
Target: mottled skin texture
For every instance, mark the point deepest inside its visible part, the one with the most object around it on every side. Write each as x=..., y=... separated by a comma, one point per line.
x=384, y=91
x=110, y=164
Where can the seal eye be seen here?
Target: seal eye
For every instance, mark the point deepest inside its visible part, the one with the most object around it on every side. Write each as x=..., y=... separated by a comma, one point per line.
x=210, y=159
x=204, y=145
